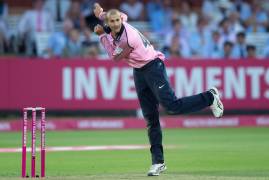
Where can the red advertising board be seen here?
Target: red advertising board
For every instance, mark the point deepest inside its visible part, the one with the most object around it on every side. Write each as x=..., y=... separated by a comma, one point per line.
x=93, y=84
x=135, y=123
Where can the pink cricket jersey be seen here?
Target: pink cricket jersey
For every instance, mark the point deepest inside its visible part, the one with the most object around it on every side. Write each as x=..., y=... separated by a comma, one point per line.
x=132, y=46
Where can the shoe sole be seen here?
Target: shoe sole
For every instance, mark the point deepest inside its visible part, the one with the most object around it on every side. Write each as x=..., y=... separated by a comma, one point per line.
x=216, y=92
x=162, y=170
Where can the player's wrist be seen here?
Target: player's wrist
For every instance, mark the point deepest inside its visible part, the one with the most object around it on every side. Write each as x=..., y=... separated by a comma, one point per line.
x=99, y=30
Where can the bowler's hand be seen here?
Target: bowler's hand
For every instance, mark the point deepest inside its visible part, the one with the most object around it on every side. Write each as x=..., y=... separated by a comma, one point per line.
x=99, y=30
x=97, y=10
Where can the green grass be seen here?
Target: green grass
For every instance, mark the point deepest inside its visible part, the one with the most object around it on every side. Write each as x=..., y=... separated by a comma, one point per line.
x=219, y=154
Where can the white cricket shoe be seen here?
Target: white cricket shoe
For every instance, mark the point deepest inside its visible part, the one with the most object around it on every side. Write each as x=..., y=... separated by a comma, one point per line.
x=156, y=169
x=217, y=106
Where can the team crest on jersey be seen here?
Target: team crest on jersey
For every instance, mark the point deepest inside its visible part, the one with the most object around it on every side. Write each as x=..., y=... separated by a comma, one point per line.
x=117, y=51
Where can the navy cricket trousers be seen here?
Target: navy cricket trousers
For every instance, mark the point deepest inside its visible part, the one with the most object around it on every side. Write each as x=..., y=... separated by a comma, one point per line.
x=153, y=88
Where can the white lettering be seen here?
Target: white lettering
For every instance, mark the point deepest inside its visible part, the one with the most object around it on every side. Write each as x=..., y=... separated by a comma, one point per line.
x=100, y=124
x=210, y=122
x=255, y=73
x=212, y=79
x=67, y=83
x=108, y=85
x=234, y=83
x=85, y=83
x=128, y=88
x=5, y=126
x=266, y=93
x=188, y=86
x=262, y=121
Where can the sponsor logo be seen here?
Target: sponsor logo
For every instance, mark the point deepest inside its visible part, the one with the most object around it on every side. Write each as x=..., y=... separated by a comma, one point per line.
x=5, y=127
x=211, y=122
x=100, y=124
x=261, y=121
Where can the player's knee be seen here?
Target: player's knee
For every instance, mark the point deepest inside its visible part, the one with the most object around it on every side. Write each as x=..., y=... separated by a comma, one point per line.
x=169, y=107
x=151, y=125
x=149, y=116
x=152, y=120
x=169, y=112
x=172, y=111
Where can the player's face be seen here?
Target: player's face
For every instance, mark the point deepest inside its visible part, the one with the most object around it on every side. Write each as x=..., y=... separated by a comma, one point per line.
x=114, y=22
